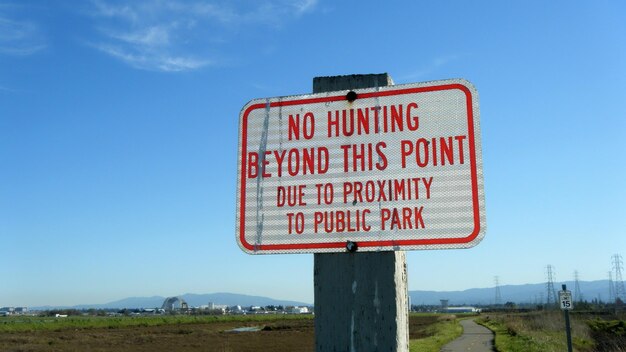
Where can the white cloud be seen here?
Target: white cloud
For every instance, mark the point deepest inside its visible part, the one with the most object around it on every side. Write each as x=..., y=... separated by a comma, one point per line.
x=175, y=35
x=153, y=61
x=19, y=38
x=152, y=36
x=106, y=10
x=207, y=10
x=305, y=6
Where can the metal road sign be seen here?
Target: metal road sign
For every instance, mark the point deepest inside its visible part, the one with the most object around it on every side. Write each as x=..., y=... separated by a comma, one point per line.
x=565, y=299
x=388, y=168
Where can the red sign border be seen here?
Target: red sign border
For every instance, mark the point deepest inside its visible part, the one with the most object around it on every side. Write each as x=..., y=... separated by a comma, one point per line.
x=385, y=243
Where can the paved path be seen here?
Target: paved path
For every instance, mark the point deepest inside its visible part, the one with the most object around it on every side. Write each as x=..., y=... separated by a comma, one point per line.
x=475, y=338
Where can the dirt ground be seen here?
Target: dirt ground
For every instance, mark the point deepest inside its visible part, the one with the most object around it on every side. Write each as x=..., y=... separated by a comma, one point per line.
x=274, y=335
x=277, y=335
x=419, y=326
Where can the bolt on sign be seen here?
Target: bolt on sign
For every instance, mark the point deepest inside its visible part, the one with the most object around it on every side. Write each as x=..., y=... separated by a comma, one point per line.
x=378, y=169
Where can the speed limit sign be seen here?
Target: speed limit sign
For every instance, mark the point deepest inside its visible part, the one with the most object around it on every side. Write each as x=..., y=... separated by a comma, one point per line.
x=565, y=299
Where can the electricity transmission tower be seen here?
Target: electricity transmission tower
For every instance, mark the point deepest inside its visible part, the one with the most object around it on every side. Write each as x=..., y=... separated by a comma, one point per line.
x=578, y=296
x=551, y=299
x=618, y=264
x=498, y=295
x=611, y=288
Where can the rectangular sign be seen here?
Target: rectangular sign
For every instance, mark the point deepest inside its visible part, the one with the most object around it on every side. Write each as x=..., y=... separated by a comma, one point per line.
x=565, y=300
x=387, y=168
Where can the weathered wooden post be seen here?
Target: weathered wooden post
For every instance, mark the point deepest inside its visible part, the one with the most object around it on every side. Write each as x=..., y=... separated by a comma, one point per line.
x=361, y=299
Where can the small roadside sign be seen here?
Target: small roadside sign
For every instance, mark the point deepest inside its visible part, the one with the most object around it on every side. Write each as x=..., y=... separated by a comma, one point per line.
x=565, y=299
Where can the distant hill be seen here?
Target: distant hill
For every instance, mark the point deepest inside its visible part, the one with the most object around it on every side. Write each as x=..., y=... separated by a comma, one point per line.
x=528, y=293
x=232, y=299
x=130, y=302
x=194, y=300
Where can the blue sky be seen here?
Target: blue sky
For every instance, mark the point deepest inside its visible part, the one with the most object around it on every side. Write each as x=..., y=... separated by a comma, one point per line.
x=119, y=127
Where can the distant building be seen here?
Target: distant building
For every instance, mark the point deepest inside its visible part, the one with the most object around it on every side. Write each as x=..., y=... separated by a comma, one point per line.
x=462, y=310
x=236, y=310
x=299, y=310
x=444, y=304
x=4, y=311
x=213, y=306
x=9, y=310
x=174, y=303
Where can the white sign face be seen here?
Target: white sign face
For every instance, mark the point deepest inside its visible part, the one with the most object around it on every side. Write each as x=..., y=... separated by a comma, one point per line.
x=397, y=168
x=565, y=299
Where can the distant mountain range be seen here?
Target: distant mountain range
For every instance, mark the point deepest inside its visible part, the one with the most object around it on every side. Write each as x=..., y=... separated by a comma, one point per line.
x=528, y=293
x=194, y=300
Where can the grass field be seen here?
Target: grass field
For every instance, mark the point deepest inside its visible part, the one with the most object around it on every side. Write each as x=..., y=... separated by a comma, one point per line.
x=527, y=332
x=31, y=324
x=191, y=333
x=433, y=332
x=544, y=331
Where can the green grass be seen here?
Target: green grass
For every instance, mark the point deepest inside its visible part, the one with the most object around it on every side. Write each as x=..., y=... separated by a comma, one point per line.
x=18, y=324
x=507, y=339
x=535, y=332
x=446, y=329
x=609, y=335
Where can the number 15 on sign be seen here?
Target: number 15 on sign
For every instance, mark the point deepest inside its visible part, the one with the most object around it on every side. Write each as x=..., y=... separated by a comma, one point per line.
x=565, y=297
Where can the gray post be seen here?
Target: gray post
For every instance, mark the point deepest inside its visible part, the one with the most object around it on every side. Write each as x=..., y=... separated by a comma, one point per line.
x=361, y=299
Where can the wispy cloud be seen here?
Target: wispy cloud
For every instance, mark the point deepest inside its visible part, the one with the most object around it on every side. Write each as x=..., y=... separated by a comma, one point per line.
x=7, y=89
x=145, y=59
x=176, y=35
x=18, y=37
x=304, y=6
x=120, y=11
x=430, y=67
